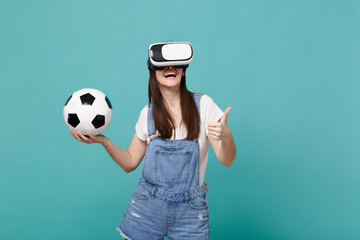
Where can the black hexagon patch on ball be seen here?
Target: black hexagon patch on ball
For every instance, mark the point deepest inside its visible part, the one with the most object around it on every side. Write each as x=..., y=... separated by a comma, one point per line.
x=73, y=120
x=87, y=99
x=98, y=121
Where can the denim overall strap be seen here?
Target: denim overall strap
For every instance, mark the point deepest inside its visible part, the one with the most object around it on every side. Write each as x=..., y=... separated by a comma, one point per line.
x=150, y=121
x=197, y=97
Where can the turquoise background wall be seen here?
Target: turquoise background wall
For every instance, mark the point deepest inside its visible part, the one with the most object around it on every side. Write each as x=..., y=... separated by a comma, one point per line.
x=289, y=69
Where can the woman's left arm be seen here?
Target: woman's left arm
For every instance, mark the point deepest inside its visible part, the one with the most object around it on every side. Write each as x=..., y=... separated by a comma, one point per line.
x=221, y=140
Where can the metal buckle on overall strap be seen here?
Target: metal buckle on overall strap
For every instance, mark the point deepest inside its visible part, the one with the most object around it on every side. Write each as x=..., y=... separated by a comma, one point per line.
x=152, y=137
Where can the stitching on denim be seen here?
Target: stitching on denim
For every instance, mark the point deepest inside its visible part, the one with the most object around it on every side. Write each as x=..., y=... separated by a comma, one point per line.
x=170, y=226
x=199, y=208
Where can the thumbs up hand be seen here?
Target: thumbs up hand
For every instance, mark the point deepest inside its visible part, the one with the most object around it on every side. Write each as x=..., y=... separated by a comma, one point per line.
x=219, y=130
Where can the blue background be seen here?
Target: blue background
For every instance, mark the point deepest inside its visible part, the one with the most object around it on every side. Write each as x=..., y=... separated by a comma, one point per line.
x=289, y=69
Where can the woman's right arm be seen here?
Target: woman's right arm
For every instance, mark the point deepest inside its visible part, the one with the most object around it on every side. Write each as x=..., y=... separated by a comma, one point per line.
x=128, y=159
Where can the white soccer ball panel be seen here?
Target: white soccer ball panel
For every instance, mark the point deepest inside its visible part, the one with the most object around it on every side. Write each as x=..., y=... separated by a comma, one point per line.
x=84, y=127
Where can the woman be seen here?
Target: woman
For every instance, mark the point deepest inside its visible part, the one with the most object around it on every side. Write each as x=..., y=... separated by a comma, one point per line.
x=173, y=133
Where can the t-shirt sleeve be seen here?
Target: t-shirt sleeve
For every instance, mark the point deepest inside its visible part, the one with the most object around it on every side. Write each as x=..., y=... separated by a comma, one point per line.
x=210, y=112
x=141, y=125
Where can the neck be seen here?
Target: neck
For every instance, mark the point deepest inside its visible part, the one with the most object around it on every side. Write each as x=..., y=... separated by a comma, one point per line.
x=171, y=97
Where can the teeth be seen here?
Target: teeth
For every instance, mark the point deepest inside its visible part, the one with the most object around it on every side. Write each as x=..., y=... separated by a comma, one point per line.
x=170, y=75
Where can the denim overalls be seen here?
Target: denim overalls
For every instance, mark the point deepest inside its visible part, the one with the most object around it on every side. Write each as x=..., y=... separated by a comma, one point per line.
x=168, y=200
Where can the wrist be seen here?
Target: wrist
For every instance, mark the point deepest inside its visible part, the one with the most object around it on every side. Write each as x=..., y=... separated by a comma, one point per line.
x=228, y=134
x=227, y=137
x=105, y=142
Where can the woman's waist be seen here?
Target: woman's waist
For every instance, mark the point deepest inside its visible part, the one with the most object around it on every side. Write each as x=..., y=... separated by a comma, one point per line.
x=173, y=196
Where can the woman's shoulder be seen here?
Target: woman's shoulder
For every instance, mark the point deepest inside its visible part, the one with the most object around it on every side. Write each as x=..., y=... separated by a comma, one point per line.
x=209, y=110
x=144, y=110
x=206, y=100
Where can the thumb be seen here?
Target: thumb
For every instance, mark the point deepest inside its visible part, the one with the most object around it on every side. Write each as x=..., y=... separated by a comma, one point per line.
x=225, y=116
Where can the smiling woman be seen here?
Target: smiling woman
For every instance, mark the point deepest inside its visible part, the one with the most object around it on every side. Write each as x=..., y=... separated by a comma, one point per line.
x=172, y=135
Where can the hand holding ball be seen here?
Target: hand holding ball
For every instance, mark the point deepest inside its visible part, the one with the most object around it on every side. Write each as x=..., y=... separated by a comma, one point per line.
x=88, y=110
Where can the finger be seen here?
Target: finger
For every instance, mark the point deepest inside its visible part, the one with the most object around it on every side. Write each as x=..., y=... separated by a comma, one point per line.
x=214, y=124
x=83, y=138
x=72, y=134
x=225, y=116
x=214, y=129
x=92, y=137
x=213, y=136
x=76, y=136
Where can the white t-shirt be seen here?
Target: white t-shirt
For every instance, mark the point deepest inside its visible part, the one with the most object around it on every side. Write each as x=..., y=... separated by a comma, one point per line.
x=209, y=112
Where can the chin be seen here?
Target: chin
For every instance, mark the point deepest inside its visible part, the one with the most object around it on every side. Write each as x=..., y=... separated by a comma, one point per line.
x=170, y=83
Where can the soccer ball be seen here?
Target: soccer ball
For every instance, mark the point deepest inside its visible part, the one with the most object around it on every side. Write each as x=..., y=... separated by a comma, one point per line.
x=88, y=110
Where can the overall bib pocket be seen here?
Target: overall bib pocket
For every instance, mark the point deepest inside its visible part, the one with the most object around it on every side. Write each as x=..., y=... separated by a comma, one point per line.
x=172, y=167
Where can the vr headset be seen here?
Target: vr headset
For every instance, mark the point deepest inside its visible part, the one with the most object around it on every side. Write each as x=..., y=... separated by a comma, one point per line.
x=162, y=55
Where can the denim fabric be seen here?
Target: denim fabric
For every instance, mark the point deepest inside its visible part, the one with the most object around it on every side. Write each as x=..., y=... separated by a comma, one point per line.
x=168, y=200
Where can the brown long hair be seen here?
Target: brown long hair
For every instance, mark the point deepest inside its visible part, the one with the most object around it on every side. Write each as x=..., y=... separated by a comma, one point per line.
x=164, y=123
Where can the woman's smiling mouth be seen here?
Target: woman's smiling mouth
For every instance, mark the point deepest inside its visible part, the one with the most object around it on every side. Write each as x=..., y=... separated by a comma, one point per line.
x=170, y=74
